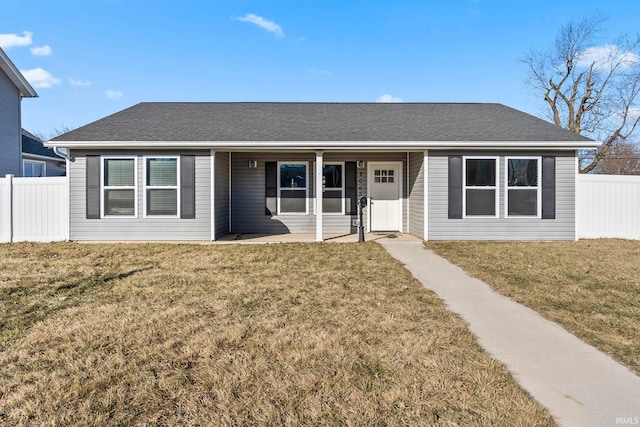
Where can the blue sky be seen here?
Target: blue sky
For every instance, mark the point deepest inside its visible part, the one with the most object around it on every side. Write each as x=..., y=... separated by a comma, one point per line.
x=101, y=56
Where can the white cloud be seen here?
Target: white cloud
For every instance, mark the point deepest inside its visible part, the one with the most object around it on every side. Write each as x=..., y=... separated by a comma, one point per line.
x=41, y=50
x=75, y=82
x=388, y=98
x=606, y=55
x=40, y=78
x=13, y=40
x=267, y=25
x=114, y=94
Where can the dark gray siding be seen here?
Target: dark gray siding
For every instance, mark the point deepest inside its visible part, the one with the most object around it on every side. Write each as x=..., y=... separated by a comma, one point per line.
x=221, y=215
x=416, y=194
x=10, y=145
x=561, y=228
x=140, y=228
x=248, y=193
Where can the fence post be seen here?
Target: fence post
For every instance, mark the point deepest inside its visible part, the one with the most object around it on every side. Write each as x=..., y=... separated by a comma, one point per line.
x=7, y=207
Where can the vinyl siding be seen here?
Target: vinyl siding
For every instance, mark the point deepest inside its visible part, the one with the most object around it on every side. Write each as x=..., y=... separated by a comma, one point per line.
x=416, y=194
x=53, y=167
x=560, y=228
x=10, y=136
x=248, y=194
x=139, y=228
x=221, y=215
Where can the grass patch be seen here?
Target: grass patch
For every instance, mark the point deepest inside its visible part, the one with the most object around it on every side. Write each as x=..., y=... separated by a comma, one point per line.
x=591, y=287
x=287, y=334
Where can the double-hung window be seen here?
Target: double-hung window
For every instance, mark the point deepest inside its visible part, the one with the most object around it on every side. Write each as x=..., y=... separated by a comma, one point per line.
x=119, y=186
x=480, y=187
x=523, y=195
x=161, y=186
x=293, y=189
x=33, y=168
x=333, y=188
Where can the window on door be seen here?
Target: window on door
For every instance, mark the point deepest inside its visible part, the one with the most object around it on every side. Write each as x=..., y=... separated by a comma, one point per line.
x=383, y=175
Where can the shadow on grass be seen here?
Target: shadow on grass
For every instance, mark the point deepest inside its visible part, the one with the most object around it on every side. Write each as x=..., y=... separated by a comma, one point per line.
x=99, y=281
x=15, y=325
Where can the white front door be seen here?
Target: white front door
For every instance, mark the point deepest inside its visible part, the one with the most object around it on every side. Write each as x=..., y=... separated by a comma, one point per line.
x=385, y=203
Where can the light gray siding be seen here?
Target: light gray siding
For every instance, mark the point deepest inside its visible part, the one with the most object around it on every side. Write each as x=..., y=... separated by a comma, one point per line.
x=560, y=228
x=10, y=136
x=248, y=193
x=140, y=228
x=416, y=194
x=221, y=215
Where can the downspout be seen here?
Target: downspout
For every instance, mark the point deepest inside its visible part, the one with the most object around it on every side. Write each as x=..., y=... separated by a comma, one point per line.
x=62, y=154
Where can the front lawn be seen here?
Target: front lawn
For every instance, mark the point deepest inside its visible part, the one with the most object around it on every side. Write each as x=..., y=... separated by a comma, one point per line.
x=286, y=334
x=591, y=287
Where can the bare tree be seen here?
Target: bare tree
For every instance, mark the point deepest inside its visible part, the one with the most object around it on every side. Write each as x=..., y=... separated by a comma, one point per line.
x=590, y=87
x=623, y=158
x=57, y=131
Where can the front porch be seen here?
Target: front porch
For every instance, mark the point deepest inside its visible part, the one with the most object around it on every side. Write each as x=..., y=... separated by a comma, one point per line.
x=314, y=194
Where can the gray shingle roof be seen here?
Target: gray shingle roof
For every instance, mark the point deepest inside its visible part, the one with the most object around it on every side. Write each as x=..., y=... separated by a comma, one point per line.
x=161, y=121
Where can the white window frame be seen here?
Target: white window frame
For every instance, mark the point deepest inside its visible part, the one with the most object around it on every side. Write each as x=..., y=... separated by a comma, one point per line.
x=538, y=188
x=306, y=189
x=164, y=187
x=495, y=188
x=40, y=162
x=103, y=187
x=334, y=188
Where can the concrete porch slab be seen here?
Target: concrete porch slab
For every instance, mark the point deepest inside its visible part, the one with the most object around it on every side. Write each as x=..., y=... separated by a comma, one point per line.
x=309, y=238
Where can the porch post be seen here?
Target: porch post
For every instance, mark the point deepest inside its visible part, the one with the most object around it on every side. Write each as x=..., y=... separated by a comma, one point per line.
x=213, y=195
x=318, y=188
x=425, y=180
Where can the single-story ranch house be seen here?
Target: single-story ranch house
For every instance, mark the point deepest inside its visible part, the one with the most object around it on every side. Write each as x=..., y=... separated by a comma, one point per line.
x=198, y=171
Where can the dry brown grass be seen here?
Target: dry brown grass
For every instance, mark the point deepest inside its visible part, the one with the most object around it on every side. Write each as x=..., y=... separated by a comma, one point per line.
x=591, y=287
x=288, y=334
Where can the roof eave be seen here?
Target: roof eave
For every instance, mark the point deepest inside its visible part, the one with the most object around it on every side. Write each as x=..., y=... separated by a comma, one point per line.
x=16, y=77
x=41, y=157
x=326, y=145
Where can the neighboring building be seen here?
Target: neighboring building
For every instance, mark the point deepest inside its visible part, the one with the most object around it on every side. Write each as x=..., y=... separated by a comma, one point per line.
x=13, y=87
x=38, y=160
x=197, y=171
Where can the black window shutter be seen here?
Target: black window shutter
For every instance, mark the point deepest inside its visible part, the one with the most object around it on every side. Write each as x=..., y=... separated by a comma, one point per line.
x=455, y=187
x=350, y=188
x=187, y=187
x=548, y=187
x=271, y=188
x=93, y=187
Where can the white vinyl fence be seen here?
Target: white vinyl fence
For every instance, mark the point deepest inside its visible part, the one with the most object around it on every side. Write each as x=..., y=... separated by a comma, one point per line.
x=608, y=206
x=37, y=209
x=34, y=209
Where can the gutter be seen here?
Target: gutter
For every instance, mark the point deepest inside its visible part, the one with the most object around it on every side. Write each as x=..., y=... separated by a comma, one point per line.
x=333, y=145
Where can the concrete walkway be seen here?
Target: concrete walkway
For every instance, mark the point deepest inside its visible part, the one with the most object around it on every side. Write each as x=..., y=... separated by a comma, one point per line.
x=580, y=385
